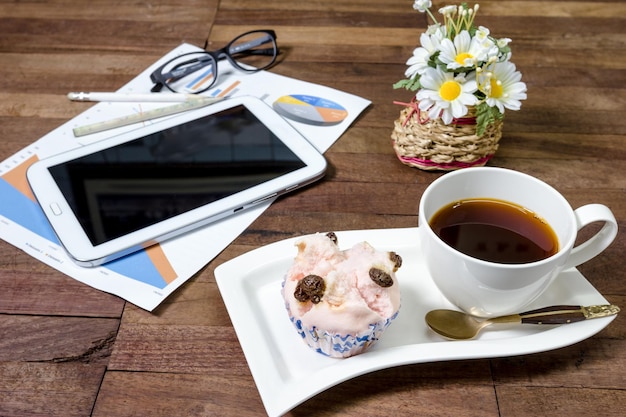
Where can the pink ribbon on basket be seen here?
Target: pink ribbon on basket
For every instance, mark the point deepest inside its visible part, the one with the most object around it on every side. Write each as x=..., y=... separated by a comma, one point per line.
x=414, y=110
x=414, y=105
x=426, y=163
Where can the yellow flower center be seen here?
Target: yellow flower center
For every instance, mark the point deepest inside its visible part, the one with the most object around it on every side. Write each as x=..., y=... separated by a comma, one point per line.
x=496, y=89
x=460, y=58
x=450, y=90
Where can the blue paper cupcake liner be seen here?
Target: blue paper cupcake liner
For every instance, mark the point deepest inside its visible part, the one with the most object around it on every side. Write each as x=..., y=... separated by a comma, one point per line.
x=340, y=345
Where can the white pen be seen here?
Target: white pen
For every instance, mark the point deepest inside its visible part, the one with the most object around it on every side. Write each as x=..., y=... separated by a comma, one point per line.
x=130, y=97
x=195, y=103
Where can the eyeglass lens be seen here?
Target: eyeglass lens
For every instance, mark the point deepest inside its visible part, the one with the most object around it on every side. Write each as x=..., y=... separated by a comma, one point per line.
x=252, y=51
x=190, y=73
x=196, y=72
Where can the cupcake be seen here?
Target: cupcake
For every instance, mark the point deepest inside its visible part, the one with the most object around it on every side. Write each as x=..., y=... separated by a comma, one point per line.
x=341, y=302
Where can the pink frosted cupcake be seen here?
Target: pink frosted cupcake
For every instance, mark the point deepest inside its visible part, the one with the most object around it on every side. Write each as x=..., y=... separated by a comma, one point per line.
x=341, y=302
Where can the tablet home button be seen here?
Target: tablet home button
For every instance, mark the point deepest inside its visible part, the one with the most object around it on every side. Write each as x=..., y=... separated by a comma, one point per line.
x=56, y=210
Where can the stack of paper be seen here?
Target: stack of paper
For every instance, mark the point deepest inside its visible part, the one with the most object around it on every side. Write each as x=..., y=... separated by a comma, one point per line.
x=147, y=277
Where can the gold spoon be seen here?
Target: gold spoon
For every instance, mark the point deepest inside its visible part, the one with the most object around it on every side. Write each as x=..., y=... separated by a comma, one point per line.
x=458, y=325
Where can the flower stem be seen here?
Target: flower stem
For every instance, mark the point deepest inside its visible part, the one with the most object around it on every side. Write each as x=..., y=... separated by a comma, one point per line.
x=431, y=16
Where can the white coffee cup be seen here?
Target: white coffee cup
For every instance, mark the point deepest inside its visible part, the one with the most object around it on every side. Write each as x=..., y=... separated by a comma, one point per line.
x=490, y=289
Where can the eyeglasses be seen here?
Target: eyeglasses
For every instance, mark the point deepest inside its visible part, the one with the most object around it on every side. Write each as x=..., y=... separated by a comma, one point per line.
x=196, y=72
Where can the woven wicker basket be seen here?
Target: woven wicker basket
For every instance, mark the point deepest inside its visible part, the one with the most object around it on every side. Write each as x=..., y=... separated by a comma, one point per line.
x=432, y=145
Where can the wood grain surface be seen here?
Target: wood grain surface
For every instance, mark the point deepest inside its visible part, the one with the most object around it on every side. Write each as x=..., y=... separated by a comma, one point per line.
x=69, y=350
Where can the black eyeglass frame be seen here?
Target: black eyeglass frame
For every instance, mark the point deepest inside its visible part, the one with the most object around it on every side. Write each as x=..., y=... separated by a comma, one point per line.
x=160, y=79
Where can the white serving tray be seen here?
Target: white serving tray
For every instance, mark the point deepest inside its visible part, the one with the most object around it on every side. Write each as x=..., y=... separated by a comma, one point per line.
x=287, y=372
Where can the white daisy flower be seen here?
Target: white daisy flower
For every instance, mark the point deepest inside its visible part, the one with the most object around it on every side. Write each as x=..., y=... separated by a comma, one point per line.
x=482, y=36
x=436, y=29
x=419, y=61
x=422, y=5
x=448, y=10
x=504, y=88
x=464, y=52
x=504, y=53
x=503, y=42
x=482, y=33
x=446, y=96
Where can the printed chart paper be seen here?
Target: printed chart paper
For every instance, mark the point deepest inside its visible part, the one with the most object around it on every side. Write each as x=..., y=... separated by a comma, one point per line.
x=147, y=277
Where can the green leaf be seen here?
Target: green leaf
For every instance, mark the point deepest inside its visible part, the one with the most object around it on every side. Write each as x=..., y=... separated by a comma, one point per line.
x=412, y=84
x=486, y=115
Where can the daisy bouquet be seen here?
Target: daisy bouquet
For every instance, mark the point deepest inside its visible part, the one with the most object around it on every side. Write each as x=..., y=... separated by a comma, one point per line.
x=460, y=66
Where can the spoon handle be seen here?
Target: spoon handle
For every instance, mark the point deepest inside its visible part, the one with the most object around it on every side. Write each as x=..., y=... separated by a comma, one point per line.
x=563, y=314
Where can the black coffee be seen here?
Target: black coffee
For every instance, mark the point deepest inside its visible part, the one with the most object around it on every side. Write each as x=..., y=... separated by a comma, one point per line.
x=495, y=231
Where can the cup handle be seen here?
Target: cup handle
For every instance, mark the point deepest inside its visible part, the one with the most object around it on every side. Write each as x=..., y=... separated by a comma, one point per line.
x=598, y=242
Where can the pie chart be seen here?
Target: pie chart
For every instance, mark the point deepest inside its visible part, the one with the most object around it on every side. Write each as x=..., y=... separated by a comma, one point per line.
x=310, y=110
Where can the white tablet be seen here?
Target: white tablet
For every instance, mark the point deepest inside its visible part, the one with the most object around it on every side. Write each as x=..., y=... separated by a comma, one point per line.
x=130, y=191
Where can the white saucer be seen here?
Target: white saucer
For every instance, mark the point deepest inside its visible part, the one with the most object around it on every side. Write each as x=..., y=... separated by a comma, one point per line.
x=287, y=372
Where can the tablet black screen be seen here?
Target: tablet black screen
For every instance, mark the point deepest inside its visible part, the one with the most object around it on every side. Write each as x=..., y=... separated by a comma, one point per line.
x=139, y=183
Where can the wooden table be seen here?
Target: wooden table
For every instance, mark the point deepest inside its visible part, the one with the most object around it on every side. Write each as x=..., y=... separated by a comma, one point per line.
x=69, y=350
